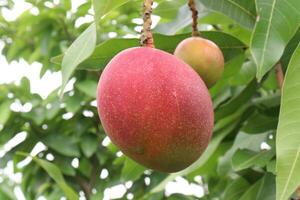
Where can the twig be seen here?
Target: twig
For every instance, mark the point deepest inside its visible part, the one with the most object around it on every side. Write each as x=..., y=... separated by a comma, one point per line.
x=193, y=8
x=298, y=193
x=84, y=185
x=65, y=29
x=94, y=173
x=279, y=75
x=147, y=37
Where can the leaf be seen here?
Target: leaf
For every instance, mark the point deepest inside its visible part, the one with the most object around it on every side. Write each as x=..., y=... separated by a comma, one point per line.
x=278, y=21
x=4, y=113
x=288, y=137
x=235, y=189
x=6, y=191
x=55, y=173
x=89, y=145
x=271, y=167
x=243, y=159
x=259, y=123
x=179, y=197
x=241, y=141
x=88, y=87
x=131, y=170
x=105, y=51
x=241, y=11
x=168, y=9
x=231, y=69
x=251, y=193
x=290, y=48
x=80, y=50
x=62, y=144
x=236, y=102
x=73, y=103
x=245, y=75
x=103, y=7
x=267, y=189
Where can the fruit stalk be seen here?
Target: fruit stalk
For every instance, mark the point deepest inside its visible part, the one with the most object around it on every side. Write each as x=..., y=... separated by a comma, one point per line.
x=146, y=37
x=193, y=8
x=279, y=75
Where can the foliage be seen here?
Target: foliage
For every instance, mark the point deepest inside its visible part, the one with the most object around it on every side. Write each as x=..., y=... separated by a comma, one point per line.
x=240, y=162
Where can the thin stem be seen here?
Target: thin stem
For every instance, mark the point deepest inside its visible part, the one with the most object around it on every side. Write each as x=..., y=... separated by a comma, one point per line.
x=84, y=186
x=192, y=5
x=279, y=75
x=147, y=37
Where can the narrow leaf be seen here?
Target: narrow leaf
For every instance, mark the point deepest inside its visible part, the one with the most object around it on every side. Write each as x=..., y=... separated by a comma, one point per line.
x=241, y=11
x=4, y=113
x=131, y=170
x=277, y=22
x=105, y=51
x=103, y=7
x=55, y=173
x=235, y=189
x=288, y=133
x=80, y=50
x=243, y=159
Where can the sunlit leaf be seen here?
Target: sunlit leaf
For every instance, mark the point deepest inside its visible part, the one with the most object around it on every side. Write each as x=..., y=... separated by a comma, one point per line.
x=102, y=7
x=131, y=170
x=241, y=11
x=55, y=173
x=278, y=21
x=288, y=137
x=80, y=50
x=243, y=159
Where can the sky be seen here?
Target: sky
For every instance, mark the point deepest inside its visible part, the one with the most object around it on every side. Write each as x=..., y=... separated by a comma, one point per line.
x=14, y=71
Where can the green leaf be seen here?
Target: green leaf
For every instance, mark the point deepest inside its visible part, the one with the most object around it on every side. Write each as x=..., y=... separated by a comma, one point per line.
x=241, y=141
x=235, y=189
x=85, y=167
x=290, y=48
x=288, y=137
x=168, y=9
x=73, y=103
x=278, y=21
x=259, y=123
x=179, y=197
x=245, y=75
x=103, y=7
x=267, y=189
x=241, y=11
x=236, y=102
x=131, y=170
x=89, y=145
x=55, y=173
x=243, y=159
x=4, y=113
x=105, y=51
x=80, y=50
x=6, y=191
x=88, y=87
x=251, y=193
x=271, y=167
x=65, y=145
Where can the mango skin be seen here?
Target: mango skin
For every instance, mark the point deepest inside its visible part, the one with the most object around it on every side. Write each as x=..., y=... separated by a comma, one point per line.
x=155, y=108
x=203, y=56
